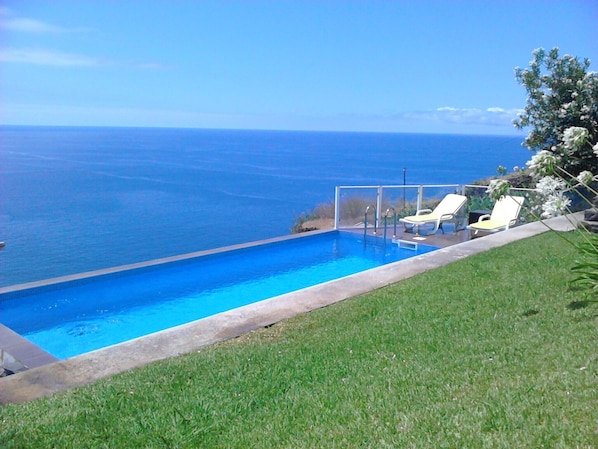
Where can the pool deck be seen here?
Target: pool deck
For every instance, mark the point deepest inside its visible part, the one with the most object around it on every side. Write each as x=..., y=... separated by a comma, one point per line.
x=19, y=354
x=41, y=374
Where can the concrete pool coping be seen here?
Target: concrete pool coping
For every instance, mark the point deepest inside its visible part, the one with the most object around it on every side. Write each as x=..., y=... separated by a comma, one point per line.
x=87, y=368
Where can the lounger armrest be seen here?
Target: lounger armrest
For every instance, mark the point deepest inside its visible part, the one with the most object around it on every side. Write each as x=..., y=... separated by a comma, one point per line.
x=511, y=223
x=423, y=212
x=484, y=217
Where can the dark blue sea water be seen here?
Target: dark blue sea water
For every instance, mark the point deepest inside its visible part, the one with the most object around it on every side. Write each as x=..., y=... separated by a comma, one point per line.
x=79, y=199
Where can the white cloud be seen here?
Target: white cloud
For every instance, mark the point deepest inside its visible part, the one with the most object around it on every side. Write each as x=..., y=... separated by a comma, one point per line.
x=49, y=57
x=492, y=116
x=8, y=21
x=26, y=25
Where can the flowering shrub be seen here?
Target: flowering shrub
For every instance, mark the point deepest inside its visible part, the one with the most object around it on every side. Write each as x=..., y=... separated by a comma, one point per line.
x=555, y=185
x=543, y=163
x=562, y=110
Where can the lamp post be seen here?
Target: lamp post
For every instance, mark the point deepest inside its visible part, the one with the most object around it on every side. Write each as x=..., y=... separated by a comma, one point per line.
x=404, y=184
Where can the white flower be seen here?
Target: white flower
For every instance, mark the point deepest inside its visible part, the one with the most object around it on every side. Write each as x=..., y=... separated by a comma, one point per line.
x=585, y=177
x=543, y=163
x=549, y=185
x=498, y=188
x=595, y=149
x=575, y=136
x=555, y=205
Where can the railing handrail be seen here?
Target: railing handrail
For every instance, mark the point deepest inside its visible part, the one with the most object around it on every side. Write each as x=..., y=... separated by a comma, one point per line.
x=397, y=186
x=526, y=189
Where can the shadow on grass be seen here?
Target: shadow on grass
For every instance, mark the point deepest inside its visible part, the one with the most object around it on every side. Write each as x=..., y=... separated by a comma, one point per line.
x=530, y=312
x=576, y=305
x=573, y=305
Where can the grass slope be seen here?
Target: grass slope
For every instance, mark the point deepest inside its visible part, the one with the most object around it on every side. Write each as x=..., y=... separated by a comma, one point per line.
x=493, y=351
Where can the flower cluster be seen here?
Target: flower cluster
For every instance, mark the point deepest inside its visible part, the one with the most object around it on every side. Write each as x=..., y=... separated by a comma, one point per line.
x=585, y=178
x=549, y=185
x=574, y=137
x=553, y=189
x=556, y=182
x=556, y=204
x=498, y=188
x=543, y=163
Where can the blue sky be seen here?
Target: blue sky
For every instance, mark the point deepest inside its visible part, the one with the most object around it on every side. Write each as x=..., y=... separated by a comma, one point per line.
x=393, y=66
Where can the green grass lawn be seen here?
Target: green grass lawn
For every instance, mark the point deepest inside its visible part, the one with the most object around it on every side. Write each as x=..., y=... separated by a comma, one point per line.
x=494, y=351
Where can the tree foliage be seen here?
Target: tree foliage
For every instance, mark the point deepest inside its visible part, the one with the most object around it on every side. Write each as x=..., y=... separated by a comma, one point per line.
x=562, y=94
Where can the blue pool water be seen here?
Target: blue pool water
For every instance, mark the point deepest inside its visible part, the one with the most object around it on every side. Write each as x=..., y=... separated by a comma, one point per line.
x=71, y=318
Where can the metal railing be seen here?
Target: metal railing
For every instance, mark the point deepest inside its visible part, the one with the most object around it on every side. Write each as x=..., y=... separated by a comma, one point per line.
x=351, y=201
x=352, y=204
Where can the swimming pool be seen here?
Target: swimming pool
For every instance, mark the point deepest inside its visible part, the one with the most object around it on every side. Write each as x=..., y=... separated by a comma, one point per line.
x=91, y=312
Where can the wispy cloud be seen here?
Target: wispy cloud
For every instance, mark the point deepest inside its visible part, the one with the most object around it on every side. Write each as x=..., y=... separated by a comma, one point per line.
x=445, y=119
x=10, y=22
x=492, y=116
x=26, y=25
x=50, y=58
x=56, y=58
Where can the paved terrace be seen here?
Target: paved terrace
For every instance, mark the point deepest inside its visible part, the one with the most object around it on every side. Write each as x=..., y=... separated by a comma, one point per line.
x=45, y=375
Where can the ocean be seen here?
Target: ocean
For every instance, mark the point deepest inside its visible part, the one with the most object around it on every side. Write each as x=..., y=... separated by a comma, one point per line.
x=78, y=199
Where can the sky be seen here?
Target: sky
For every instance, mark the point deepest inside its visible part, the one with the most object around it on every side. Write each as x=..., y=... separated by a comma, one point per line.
x=419, y=66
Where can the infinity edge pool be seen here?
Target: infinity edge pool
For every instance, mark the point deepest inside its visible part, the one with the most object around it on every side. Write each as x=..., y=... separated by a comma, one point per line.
x=191, y=337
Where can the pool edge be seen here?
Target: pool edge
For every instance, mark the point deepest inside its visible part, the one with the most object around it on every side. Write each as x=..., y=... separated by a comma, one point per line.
x=150, y=263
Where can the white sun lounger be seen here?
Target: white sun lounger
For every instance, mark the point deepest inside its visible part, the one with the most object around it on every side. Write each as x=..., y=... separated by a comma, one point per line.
x=446, y=211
